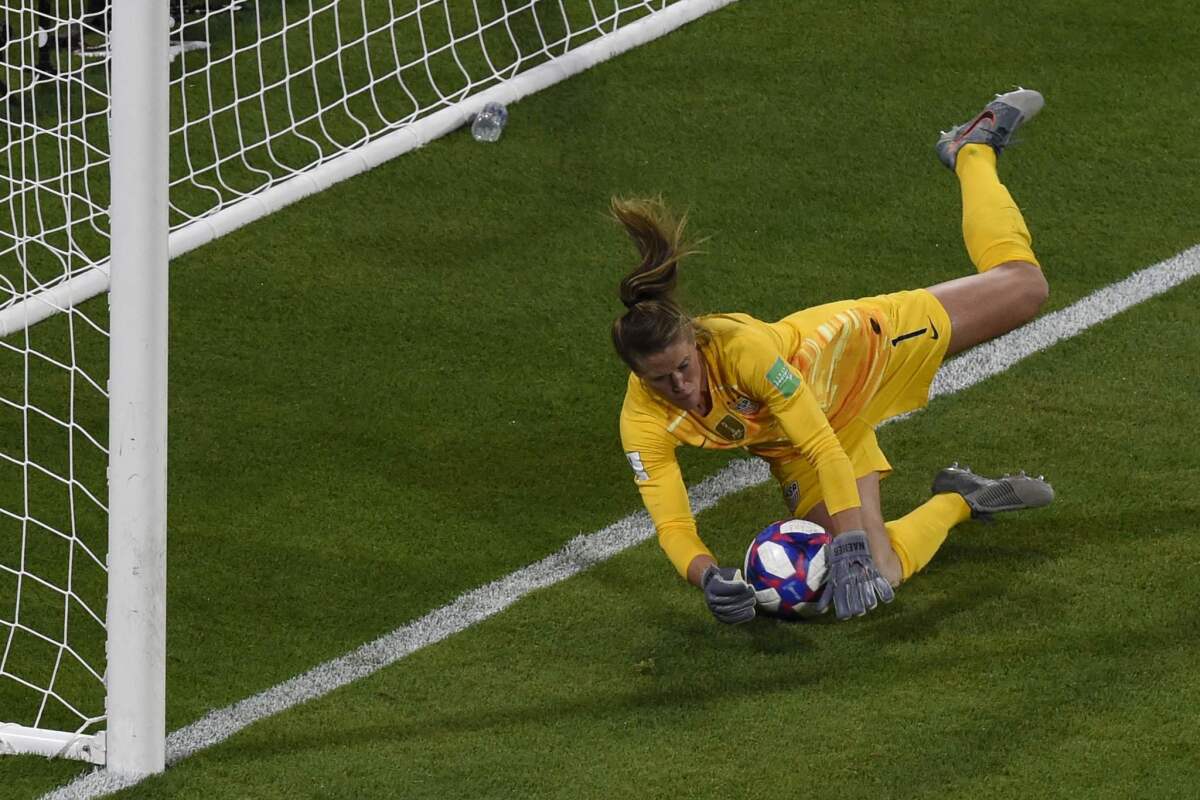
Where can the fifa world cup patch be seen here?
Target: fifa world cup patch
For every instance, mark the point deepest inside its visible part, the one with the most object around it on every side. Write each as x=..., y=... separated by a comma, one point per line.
x=780, y=376
x=639, y=469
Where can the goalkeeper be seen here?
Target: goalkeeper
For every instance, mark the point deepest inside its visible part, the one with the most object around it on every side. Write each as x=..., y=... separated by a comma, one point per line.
x=806, y=392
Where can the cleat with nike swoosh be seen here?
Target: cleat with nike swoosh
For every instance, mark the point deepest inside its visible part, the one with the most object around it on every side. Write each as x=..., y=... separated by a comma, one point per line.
x=988, y=496
x=993, y=126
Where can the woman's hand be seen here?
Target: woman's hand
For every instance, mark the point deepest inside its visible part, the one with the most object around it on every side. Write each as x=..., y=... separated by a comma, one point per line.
x=853, y=585
x=730, y=599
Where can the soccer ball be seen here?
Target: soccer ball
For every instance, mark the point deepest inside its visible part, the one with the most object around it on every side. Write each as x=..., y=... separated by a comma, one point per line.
x=786, y=566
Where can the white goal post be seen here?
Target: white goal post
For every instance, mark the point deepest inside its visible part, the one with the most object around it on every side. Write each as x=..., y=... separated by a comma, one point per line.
x=134, y=676
x=132, y=131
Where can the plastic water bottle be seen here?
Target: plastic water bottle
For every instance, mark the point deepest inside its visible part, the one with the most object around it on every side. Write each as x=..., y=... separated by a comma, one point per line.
x=489, y=122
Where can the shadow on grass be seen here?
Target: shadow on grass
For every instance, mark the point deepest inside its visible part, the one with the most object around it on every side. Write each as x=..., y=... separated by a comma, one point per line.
x=600, y=707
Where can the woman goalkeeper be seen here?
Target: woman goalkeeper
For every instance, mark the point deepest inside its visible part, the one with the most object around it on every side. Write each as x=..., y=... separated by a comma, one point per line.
x=806, y=392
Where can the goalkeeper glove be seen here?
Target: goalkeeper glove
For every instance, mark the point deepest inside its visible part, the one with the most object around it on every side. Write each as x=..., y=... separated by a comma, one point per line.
x=729, y=598
x=854, y=585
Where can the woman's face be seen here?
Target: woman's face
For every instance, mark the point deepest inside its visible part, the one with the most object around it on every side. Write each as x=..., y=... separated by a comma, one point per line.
x=676, y=374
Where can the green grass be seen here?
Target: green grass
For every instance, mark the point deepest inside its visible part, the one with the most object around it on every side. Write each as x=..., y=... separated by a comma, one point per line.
x=281, y=87
x=401, y=389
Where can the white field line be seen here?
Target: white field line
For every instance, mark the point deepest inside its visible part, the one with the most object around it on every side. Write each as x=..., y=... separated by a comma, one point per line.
x=586, y=550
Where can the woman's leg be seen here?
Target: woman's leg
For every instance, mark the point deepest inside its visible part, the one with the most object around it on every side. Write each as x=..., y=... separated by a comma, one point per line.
x=902, y=547
x=1010, y=287
x=992, y=303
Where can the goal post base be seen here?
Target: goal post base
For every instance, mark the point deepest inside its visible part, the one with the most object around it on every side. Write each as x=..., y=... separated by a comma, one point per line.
x=19, y=740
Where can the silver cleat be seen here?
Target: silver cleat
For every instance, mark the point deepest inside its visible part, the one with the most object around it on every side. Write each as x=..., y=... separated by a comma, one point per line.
x=988, y=496
x=993, y=126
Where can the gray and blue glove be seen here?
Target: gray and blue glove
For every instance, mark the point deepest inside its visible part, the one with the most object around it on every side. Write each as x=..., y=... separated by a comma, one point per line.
x=854, y=585
x=729, y=598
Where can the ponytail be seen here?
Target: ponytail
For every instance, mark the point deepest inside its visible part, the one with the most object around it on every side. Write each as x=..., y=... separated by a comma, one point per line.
x=654, y=320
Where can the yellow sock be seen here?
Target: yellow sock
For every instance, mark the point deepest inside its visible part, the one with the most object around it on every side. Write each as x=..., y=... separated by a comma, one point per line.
x=993, y=228
x=918, y=534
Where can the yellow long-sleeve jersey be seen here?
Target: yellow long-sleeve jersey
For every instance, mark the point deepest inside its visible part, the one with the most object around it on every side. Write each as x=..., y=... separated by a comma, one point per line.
x=781, y=390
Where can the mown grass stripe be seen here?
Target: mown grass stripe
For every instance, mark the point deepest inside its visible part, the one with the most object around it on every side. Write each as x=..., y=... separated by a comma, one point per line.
x=587, y=550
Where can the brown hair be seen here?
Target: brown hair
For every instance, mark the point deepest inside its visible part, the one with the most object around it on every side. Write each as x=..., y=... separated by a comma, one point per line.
x=654, y=320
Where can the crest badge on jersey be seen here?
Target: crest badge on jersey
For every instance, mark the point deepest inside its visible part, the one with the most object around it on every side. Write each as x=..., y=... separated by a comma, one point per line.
x=791, y=495
x=745, y=405
x=731, y=428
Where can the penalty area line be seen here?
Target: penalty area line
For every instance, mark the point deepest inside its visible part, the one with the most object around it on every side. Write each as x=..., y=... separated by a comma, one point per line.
x=582, y=552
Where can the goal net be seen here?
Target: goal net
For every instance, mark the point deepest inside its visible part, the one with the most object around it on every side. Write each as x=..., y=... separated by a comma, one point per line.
x=268, y=102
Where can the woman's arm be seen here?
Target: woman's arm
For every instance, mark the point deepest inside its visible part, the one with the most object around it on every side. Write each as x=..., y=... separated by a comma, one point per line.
x=651, y=455
x=854, y=580
x=882, y=553
x=695, y=570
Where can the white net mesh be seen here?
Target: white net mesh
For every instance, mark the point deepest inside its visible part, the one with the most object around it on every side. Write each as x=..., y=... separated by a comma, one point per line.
x=265, y=91
x=53, y=405
x=261, y=93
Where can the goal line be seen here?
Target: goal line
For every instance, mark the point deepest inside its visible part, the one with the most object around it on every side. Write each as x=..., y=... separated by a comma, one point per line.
x=136, y=131
x=585, y=551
